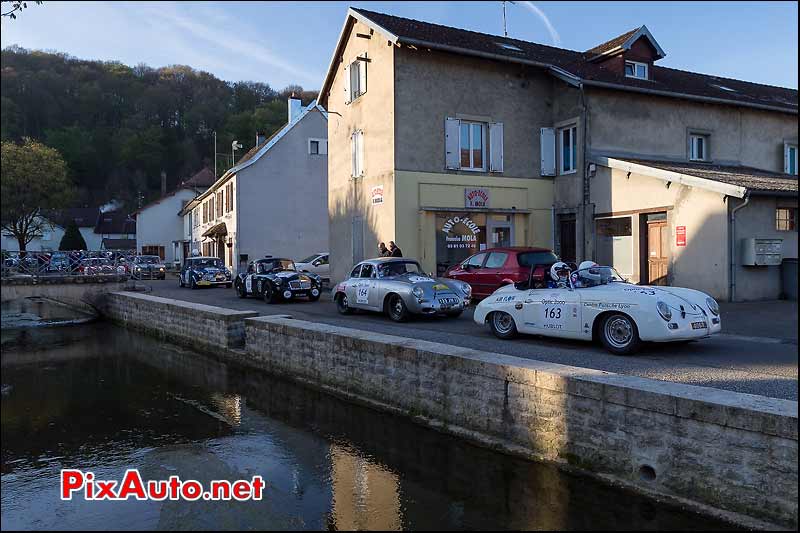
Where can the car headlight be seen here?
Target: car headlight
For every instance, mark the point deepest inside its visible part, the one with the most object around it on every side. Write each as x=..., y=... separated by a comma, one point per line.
x=713, y=306
x=138, y=269
x=664, y=311
x=467, y=289
x=278, y=282
x=418, y=292
x=161, y=269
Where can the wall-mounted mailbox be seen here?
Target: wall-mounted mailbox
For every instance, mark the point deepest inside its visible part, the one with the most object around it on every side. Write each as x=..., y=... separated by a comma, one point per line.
x=761, y=252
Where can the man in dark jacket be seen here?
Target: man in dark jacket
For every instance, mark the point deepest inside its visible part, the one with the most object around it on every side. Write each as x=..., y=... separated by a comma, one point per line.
x=383, y=251
x=394, y=250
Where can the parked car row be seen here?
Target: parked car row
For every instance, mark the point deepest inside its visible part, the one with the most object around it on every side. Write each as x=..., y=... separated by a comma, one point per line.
x=522, y=290
x=76, y=262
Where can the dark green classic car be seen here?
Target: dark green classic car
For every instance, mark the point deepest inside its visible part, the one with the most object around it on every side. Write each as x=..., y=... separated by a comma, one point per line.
x=275, y=279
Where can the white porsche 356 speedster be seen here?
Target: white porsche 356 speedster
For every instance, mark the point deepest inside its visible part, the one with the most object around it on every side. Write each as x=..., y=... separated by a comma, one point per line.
x=597, y=303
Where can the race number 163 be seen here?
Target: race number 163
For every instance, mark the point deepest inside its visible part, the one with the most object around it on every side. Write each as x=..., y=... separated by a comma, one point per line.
x=552, y=312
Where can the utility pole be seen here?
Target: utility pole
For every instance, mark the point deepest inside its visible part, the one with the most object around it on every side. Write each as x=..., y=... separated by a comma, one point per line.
x=215, y=153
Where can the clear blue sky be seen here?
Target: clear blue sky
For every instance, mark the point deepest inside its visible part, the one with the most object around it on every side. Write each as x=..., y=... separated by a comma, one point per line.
x=291, y=42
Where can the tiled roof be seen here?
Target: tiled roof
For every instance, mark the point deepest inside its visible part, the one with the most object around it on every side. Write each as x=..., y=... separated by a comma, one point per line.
x=119, y=244
x=667, y=81
x=203, y=179
x=84, y=217
x=613, y=43
x=115, y=222
x=750, y=178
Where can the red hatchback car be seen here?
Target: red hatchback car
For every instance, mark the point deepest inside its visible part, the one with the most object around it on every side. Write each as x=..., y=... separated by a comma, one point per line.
x=490, y=269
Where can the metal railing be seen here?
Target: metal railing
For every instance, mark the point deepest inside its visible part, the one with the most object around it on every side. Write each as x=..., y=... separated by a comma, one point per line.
x=62, y=263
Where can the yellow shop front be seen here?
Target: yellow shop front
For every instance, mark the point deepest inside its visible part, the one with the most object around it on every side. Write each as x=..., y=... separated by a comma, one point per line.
x=442, y=219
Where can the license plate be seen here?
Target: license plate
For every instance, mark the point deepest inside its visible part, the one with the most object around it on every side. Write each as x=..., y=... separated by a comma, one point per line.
x=204, y=282
x=699, y=325
x=448, y=301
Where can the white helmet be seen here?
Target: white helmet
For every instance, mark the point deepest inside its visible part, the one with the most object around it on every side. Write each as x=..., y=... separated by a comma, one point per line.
x=558, y=267
x=587, y=264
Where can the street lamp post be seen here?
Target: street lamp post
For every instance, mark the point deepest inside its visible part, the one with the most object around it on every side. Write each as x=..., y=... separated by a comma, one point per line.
x=235, y=145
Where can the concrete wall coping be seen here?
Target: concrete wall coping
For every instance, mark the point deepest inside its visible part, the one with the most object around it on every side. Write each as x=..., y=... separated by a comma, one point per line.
x=219, y=312
x=748, y=412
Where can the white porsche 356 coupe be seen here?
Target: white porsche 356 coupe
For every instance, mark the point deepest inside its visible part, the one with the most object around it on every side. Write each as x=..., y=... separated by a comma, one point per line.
x=597, y=303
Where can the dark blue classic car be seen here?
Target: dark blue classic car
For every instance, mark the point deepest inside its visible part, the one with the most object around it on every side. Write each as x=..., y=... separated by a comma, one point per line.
x=275, y=279
x=204, y=271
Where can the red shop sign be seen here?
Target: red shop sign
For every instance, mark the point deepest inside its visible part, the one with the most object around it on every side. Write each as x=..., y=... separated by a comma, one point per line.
x=680, y=235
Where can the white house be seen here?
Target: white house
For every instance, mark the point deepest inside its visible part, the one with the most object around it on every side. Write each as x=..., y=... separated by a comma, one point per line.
x=56, y=224
x=159, y=225
x=273, y=201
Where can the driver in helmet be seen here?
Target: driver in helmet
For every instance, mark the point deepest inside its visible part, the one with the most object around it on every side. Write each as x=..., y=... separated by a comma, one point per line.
x=587, y=275
x=559, y=276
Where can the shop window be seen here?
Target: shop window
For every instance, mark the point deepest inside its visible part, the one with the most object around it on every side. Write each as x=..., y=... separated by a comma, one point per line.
x=615, y=243
x=786, y=219
x=458, y=236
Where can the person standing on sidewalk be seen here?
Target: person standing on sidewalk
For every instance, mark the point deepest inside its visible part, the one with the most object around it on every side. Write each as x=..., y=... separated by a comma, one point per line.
x=394, y=251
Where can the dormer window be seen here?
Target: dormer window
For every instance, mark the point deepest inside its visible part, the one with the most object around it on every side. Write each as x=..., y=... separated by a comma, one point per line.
x=634, y=69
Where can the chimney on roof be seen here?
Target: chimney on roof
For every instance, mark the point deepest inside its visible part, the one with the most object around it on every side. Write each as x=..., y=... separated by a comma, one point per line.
x=260, y=138
x=163, y=183
x=295, y=106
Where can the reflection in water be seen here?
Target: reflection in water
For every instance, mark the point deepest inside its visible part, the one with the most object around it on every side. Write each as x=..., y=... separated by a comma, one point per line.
x=101, y=398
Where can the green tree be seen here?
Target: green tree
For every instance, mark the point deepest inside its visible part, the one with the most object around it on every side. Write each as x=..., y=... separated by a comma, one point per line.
x=33, y=180
x=72, y=239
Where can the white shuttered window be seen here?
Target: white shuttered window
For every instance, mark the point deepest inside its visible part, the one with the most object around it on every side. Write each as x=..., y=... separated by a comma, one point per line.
x=357, y=153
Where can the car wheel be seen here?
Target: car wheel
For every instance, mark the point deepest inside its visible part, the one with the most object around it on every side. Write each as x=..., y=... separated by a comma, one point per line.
x=311, y=296
x=241, y=291
x=341, y=305
x=503, y=325
x=269, y=294
x=397, y=309
x=620, y=334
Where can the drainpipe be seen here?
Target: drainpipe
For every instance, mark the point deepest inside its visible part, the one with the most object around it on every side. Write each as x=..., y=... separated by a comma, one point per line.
x=732, y=248
x=553, y=227
x=586, y=190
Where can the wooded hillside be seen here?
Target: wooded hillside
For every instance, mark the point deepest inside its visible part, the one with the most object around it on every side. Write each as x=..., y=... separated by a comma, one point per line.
x=118, y=126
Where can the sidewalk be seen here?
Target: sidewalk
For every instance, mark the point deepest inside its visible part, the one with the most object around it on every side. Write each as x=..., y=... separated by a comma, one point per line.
x=776, y=319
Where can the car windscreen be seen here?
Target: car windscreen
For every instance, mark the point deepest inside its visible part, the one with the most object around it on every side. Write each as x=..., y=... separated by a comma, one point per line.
x=284, y=264
x=398, y=268
x=528, y=259
x=210, y=262
x=309, y=259
x=594, y=276
x=148, y=259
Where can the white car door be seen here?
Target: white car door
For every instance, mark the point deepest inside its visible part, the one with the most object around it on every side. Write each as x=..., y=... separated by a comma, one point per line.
x=552, y=312
x=321, y=266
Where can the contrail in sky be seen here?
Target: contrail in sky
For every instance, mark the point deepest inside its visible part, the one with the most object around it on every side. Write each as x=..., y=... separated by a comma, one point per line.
x=538, y=12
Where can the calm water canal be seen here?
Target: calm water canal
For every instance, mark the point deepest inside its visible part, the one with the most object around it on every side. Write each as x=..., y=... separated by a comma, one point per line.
x=100, y=398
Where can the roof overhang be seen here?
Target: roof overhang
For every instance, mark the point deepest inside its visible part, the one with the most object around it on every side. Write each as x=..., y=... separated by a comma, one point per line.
x=216, y=230
x=624, y=47
x=670, y=176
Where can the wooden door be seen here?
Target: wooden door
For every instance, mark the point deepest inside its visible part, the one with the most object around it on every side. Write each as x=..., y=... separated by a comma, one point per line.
x=657, y=252
x=566, y=232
